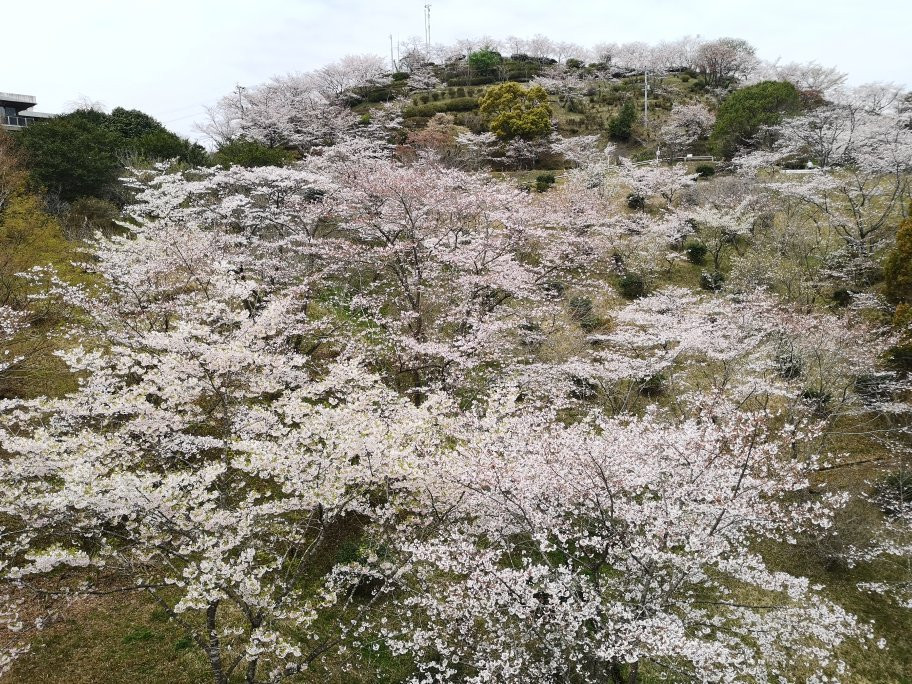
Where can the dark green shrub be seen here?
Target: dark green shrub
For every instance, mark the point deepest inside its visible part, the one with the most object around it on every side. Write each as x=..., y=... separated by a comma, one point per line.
x=706, y=170
x=894, y=492
x=621, y=126
x=842, y=297
x=900, y=358
x=574, y=63
x=635, y=201
x=789, y=366
x=460, y=104
x=581, y=311
x=654, y=386
x=712, y=281
x=400, y=76
x=696, y=252
x=73, y=156
x=632, y=286
x=744, y=112
x=484, y=61
x=543, y=181
x=818, y=400
x=250, y=153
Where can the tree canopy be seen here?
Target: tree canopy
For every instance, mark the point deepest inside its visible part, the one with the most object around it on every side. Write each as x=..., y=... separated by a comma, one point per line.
x=83, y=153
x=743, y=113
x=513, y=111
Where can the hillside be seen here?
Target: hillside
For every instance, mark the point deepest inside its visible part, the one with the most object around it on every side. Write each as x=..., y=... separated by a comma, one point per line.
x=481, y=369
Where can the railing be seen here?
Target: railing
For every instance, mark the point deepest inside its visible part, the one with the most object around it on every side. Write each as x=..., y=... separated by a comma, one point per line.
x=19, y=121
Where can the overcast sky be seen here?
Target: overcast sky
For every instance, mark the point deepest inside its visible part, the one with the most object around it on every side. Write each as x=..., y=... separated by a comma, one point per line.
x=171, y=57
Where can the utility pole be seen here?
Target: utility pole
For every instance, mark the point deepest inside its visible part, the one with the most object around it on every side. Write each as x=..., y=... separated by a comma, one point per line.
x=645, y=99
x=392, y=58
x=240, y=93
x=427, y=28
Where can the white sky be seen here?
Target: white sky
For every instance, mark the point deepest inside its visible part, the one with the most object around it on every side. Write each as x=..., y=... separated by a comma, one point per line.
x=171, y=57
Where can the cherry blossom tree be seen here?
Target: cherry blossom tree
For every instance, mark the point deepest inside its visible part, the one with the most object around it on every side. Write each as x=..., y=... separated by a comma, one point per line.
x=11, y=325
x=725, y=58
x=685, y=125
x=201, y=460
x=344, y=77
x=615, y=551
x=867, y=160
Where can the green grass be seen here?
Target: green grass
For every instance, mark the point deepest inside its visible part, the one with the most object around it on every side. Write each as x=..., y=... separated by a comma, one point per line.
x=112, y=640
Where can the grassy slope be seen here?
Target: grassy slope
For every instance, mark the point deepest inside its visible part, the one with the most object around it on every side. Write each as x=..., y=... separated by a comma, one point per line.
x=119, y=640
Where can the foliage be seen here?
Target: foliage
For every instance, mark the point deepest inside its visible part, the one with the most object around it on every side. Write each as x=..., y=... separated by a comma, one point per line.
x=898, y=267
x=88, y=215
x=379, y=414
x=685, y=125
x=83, y=153
x=696, y=252
x=74, y=155
x=543, y=181
x=621, y=126
x=484, y=61
x=632, y=285
x=512, y=111
x=746, y=111
x=250, y=154
x=458, y=104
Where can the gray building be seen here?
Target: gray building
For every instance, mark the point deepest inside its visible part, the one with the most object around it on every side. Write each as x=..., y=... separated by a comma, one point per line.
x=16, y=111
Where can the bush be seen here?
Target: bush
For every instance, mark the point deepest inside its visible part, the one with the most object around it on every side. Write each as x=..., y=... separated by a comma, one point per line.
x=484, y=61
x=894, y=492
x=632, y=286
x=900, y=358
x=842, y=297
x=744, y=112
x=635, y=201
x=621, y=126
x=654, y=386
x=696, y=252
x=581, y=311
x=712, y=281
x=574, y=63
x=73, y=156
x=81, y=154
x=543, y=181
x=898, y=267
x=706, y=170
x=516, y=112
x=250, y=153
x=817, y=399
x=459, y=104
x=88, y=215
x=788, y=365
